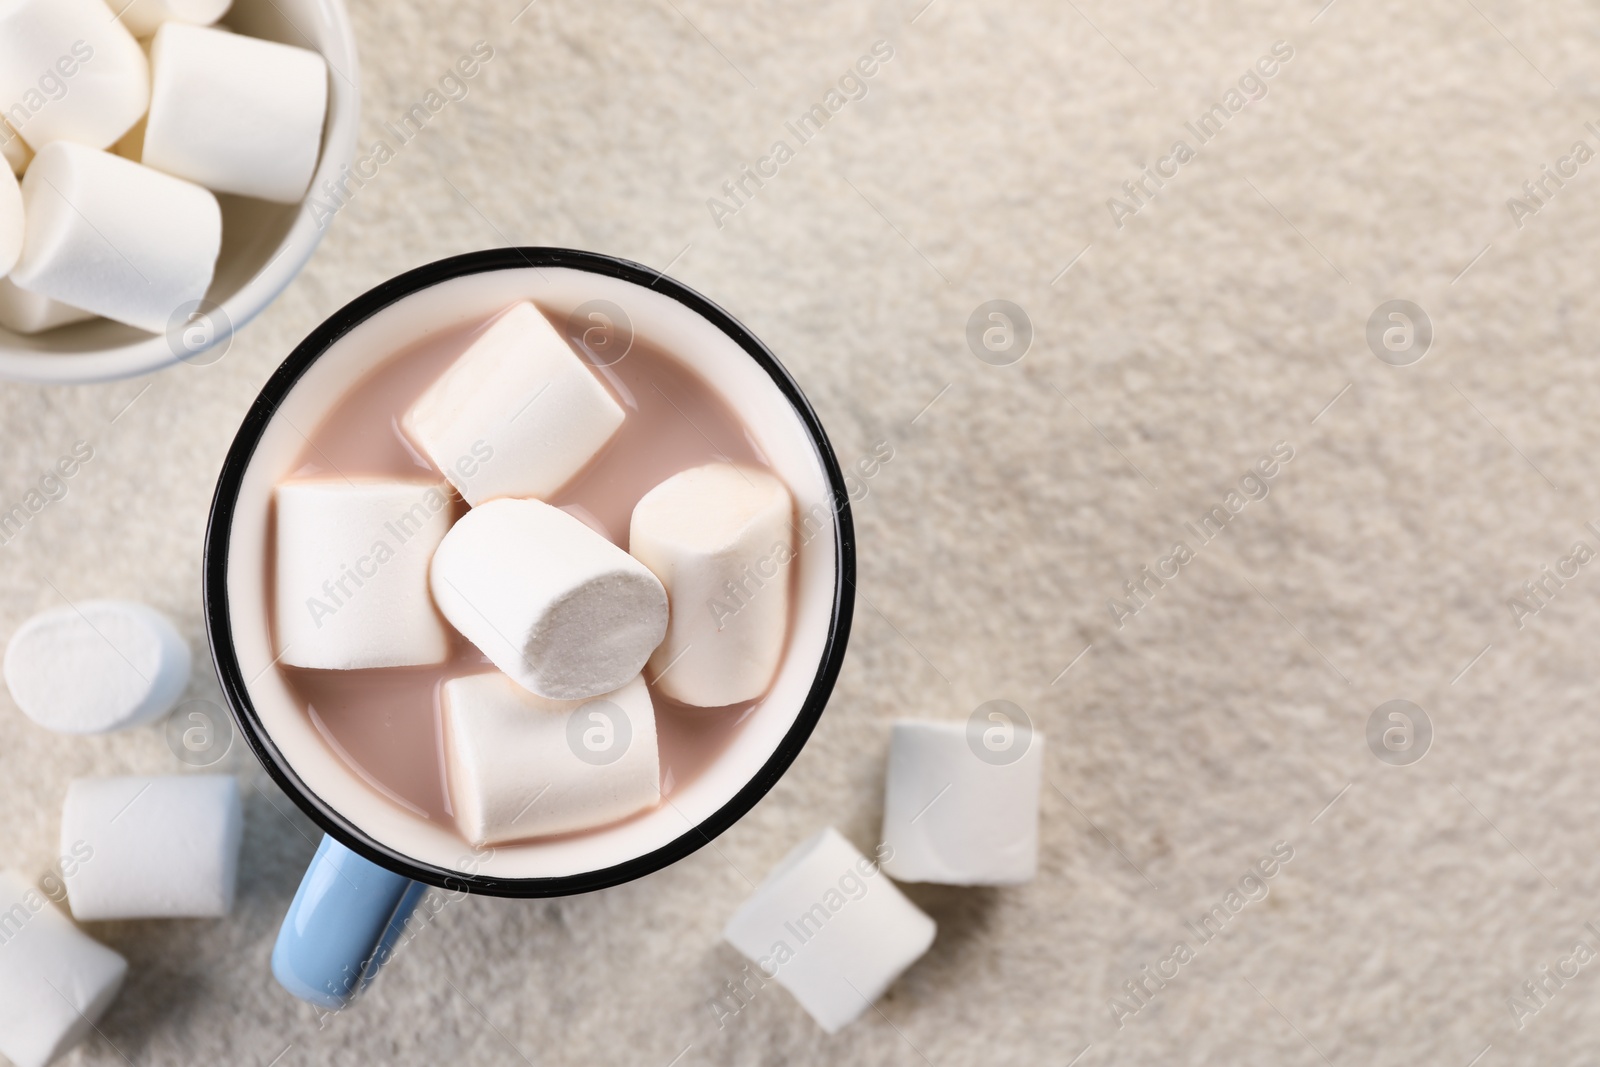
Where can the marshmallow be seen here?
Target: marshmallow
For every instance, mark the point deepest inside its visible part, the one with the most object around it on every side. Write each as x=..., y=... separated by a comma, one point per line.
x=144, y=17
x=162, y=848
x=831, y=929
x=55, y=980
x=518, y=414
x=566, y=613
x=115, y=238
x=14, y=148
x=69, y=71
x=953, y=817
x=25, y=312
x=720, y=539
x=522, y=766
x=352, y=572
x=97, y=667
x=11, y=220
x=233, y=113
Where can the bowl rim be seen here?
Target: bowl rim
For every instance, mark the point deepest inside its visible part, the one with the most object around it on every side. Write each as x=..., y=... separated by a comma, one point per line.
x=214, y=573
x=155, y=353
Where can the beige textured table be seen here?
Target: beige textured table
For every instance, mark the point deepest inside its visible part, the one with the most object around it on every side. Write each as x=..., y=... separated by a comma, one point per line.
x=1228, y=312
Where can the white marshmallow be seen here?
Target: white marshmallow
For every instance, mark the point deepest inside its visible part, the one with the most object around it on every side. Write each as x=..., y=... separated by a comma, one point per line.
x=112, y=237
x=720, y=538
x=833, y=930
x=11, y=220
x=55, y=980
x=522, y=766
x=163, y=848
x=14, y=148
x=144, y=17
x=233, y=113
x=518, y=414
x=97, y=667
x=954, y=818
x=566, y=613
x=352, y=572
x=25, y=312
x=69, y=71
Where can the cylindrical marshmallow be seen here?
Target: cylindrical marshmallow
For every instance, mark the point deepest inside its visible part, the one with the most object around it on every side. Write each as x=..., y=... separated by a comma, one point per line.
x=69, y=71
x=11, y=221
x=521, y=766
x=958, y=812
x=720, y=538
x=517, y=414
x=162, y=848
x=352, y=572
x=831, y=928
x=113, y=237
x=144, y=17
x=97, y=667
x=27, y=313
x=566, y=613
x=55, y=980
x=14, y=148
x=236, y=114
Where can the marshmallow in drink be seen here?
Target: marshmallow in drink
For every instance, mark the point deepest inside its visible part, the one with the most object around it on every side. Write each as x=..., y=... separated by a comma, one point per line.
x=563, y=611
x=97, y=667
x=720, y=538
x=522, y=766
x=235, y=114
x=352, y=572
x=162, y=848
x=831, y=928
x=144, y=17
x=11, y=220
x=956, y=817
x=28, y=313
x=520, y=396
x=55, y=980
x=69, y=71
x=110, y=236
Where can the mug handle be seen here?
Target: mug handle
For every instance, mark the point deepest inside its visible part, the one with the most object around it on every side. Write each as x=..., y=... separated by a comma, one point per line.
x=342, y=926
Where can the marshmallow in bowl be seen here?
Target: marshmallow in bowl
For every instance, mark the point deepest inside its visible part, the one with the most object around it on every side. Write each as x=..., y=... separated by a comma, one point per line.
x=522, y=766
x=144, y=17
x=720, y=539
x=55, y=980
x=28, y=313
x=831, y=928
x=110, y=236
x=352, y=572
x=235, y=114
x=11, y=221
x=97, y=667
x=69, y=71
x=954, y=818
x=563, y=611
x=517, y=414
x=160, y=848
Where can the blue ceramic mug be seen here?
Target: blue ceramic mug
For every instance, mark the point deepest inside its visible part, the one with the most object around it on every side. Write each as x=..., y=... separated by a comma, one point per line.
x=378, y=858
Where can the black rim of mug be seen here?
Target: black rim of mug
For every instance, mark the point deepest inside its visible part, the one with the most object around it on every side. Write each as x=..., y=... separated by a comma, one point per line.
x=215, y=573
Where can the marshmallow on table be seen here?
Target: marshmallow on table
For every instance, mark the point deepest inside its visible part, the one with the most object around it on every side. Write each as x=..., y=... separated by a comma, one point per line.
x=55, y=980
x=97, y=667
x=11, y=220
x=522, y=397
x=69, y=71
x=144, y=17
x=956, y=818
x=14, y=148
x=113, y=237
x=233, y=113
x=566, y=613
x=27, y=313
x=521, y=766
x=720, y=539
x=831, y=929
x=159, y=848
x=352, y=572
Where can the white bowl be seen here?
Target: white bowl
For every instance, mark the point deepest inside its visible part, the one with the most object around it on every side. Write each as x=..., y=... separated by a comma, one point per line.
x=263, y=245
